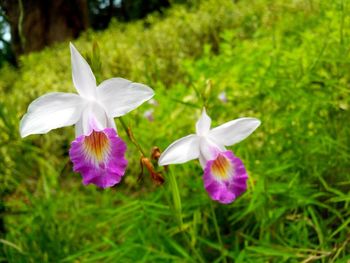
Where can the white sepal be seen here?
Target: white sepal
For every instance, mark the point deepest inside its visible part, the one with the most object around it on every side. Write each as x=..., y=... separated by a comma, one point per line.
x=203, y=124
x=119, y=96
x=83, y=78
x=181, y=151
x=51, y=111
x=234, y=131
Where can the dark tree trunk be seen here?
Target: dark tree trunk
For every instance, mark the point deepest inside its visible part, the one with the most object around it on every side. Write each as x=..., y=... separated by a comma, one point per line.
x=135, y=9
x=39, y=23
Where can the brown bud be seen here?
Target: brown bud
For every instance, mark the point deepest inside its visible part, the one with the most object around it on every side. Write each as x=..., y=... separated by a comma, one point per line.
x=156, y=176
x=155, y=153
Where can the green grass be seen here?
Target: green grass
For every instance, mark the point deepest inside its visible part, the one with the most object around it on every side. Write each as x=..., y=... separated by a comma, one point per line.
x=284, y=62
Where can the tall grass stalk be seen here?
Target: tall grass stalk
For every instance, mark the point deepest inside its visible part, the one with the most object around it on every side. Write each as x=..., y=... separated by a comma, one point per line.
x=176, y=198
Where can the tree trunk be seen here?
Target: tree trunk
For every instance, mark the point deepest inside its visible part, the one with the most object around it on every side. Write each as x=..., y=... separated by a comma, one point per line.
x=39, y=23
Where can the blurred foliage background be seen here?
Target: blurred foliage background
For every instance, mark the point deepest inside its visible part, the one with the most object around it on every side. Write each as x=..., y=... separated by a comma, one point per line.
x=285, y=62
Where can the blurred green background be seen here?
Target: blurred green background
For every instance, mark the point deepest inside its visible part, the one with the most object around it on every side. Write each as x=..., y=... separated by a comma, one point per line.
x=285, y=62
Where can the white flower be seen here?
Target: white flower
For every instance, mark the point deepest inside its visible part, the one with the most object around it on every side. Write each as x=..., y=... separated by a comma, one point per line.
x=203, y=144
x=225, y=177
x=97, y=152
x=94, y=107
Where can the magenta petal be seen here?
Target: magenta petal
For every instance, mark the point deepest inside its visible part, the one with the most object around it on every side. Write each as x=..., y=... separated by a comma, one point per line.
x=225, y=177
x=99, y=157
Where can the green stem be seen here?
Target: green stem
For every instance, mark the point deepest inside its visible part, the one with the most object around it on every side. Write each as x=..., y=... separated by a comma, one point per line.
x=131, y=136
x=176, y=197
x=174, y=190
x=178, y=211
x=217, y=230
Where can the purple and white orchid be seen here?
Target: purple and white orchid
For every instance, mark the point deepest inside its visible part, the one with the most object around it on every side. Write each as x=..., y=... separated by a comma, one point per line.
x=225, y=177
x=97, y=152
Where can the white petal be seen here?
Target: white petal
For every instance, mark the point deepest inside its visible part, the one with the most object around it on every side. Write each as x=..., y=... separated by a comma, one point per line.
x=111, y=123
x=79, y=130
x=202, y=161
x=119, y=96
x=203, y=124
x=234, y=131
x=181, y=151
x=209, y=149
x=51, y=111
x=94, y=117
x=83, y=78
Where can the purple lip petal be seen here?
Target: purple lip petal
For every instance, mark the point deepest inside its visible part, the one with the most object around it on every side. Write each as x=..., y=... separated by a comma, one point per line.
x=99, y=157
x=225, y=177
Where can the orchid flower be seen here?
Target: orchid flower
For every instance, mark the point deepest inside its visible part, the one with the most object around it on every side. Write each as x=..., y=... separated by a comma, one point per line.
x=225, y=177
x=97, y=152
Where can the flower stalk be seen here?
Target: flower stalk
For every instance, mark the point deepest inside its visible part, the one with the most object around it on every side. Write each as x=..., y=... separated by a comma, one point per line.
x=175, y=197
x=131, y=137
x=156, y=177
x=217, y=230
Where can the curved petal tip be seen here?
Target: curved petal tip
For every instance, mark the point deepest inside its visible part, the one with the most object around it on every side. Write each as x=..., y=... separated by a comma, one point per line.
x=120, y=96
x=181, y=151
x=203, y=124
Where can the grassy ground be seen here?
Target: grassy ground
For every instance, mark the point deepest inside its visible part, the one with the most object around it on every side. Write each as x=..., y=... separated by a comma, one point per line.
x=284, y=62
